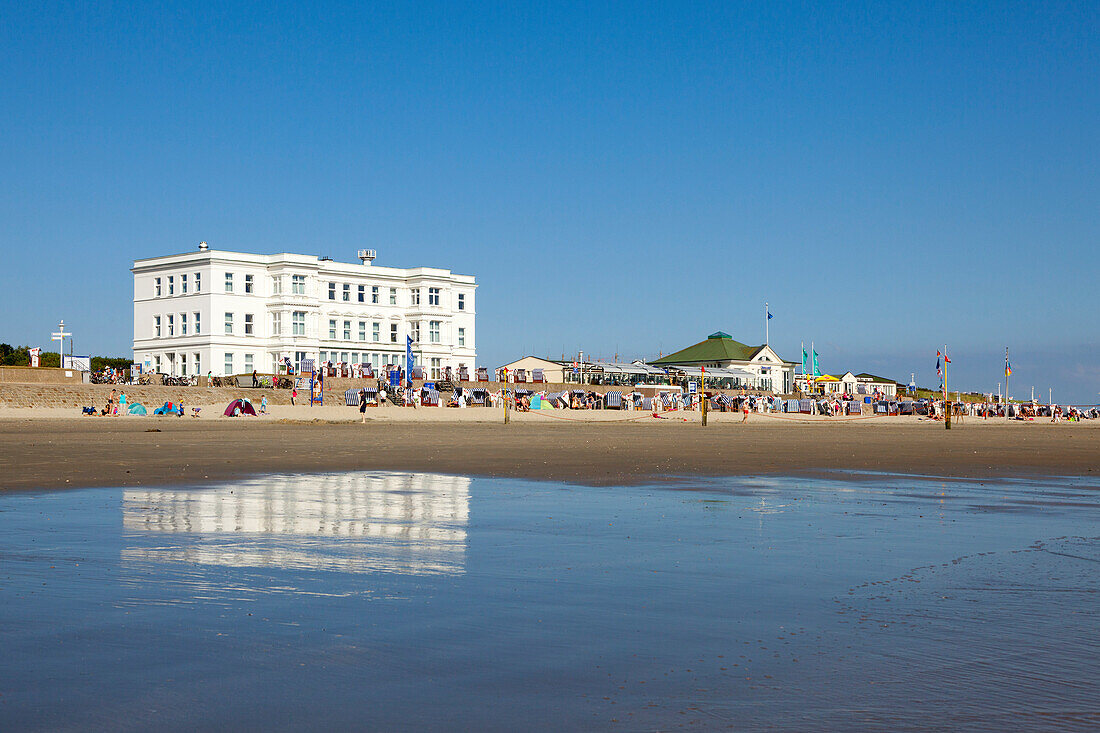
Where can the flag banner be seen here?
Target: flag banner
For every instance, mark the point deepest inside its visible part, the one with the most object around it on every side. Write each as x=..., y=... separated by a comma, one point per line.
x=409, y=361
x=769, y=315
x=817, y=369
x=805, y=358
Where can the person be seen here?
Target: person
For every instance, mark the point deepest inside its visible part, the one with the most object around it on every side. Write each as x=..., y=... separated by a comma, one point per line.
x=255, y=381
x=122, y=400
x=294, y=396
x=362, y=405
x=263, y=405
x=744, y=409
x=381, y=394
x=110, y=404
x=179, y=409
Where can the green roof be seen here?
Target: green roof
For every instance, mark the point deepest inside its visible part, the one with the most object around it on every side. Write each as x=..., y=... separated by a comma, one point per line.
x=873, y=378
x=717, y=347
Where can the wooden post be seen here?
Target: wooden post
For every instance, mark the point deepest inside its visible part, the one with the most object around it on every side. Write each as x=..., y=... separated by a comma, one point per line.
x=703, y=393
x=504, y=394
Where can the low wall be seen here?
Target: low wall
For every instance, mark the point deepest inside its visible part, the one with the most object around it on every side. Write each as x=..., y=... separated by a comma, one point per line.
x=39, y=375
x=95, y=395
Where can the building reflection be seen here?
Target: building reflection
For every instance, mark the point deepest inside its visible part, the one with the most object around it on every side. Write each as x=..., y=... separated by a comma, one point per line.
x=352, y=522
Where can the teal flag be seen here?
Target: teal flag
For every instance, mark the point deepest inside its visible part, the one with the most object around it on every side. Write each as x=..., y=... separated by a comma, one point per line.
x=817, y=369
x=805, y=358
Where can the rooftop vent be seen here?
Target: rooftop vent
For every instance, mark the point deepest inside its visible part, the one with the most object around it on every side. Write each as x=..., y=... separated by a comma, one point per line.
x=324, y=258
x=366, y=256
x=203, y=247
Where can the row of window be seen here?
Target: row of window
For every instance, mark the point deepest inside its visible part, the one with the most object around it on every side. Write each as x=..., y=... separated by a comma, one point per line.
x=166, y=325
x=434, y=295
x=185, y=364
x=167, y=284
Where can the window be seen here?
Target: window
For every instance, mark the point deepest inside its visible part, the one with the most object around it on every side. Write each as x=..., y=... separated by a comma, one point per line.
x=247, y=363
x=198, y=328
x=156, y=359
x=248, y=282
x=462, y=301
x=435, y=369
x=374, y=294
x=276, y=324
x=183, y=284
x=433, y=296
x=156, y=286
x=298, y=323
x=171, y=325
x=183, y=365
x=198, y=282
x=347, y=293
x=393, y=333
x=248, y=324
x=414, y=327
x=298, y=284
x=433, y=331
x=197, y=362
x=228, y=364
x=171, y=285
x=156, y=326
x=332, y=328
x=362, y=330
x=376, y=332
x=393, y=296
x=416, y=296
x=324, y=356
x=347, y=332
x=332, y=291
x=343, y=357
x=298, y=357
x=354, y=358
x=277, y=285
x=462, y=337
x=362, y=293
x=183, y=324
x=229, y=323
x=229, y=282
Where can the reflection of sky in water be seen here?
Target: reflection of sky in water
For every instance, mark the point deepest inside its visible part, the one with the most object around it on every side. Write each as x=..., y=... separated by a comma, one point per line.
x=420, y=602
x=351, y=522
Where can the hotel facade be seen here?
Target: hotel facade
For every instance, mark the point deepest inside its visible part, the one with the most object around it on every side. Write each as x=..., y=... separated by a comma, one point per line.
x=222, y=313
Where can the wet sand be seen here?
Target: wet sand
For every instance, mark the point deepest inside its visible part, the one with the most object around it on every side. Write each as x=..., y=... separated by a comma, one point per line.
x=60, y=452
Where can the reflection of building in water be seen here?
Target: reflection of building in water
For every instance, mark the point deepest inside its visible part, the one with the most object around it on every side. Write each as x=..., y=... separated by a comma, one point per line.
x=356, y=522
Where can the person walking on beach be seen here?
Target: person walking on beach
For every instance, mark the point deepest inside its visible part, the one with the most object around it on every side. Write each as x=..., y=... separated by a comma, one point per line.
x=255, y=381
x=744, y=409
x=294, y=396
x=362, y=405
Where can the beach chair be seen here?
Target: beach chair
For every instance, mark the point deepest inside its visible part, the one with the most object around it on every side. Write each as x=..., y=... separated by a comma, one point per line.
x=482, y=374
x=463, y=374
x=519, y=376
x=537, y=376
x=613, y=400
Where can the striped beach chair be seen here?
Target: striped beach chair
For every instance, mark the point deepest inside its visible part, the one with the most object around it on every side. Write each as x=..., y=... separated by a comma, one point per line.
x=613, y=400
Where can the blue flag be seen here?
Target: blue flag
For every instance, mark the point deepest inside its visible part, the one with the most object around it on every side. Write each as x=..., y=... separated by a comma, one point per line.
x=769, y=315
x=409, y=361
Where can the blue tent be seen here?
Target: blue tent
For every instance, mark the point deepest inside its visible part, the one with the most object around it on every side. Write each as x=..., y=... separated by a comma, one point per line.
x=167, y=409
x=138, y=409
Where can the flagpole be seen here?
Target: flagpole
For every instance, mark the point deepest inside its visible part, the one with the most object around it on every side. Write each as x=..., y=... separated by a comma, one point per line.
x=946, y=406
x=767, y=340
x=1006, y=383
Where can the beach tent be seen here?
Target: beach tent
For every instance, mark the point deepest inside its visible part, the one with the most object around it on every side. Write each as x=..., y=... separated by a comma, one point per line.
x=165, y=409
x=138, y=409
x=245, y=407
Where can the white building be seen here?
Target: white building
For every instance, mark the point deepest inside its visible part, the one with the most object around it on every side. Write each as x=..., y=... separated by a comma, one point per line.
x=226, y=313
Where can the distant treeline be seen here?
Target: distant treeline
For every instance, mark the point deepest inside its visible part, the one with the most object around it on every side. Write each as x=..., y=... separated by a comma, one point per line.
x=21, y=356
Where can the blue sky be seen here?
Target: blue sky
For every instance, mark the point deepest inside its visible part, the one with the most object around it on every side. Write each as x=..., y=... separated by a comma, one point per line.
x=621, y=178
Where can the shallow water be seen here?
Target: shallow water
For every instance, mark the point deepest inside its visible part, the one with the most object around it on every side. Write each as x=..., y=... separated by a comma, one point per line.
x=418, y=601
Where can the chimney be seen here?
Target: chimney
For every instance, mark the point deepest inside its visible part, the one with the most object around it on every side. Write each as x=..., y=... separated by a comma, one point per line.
x=366, y=256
